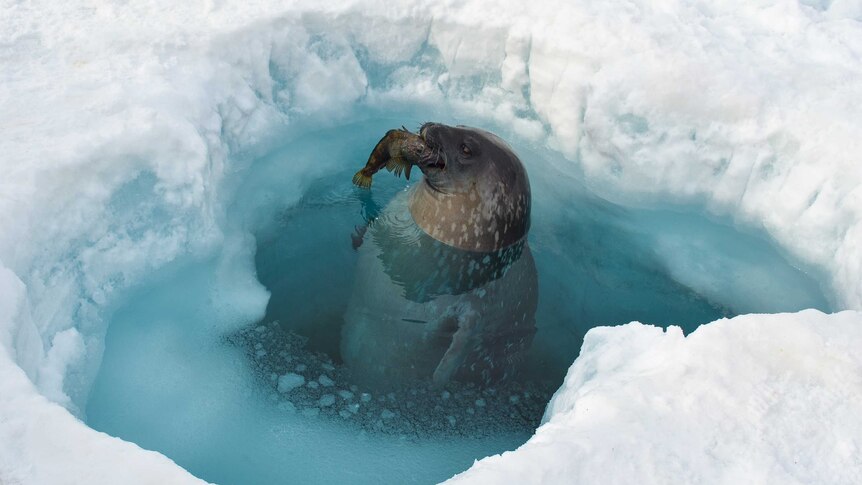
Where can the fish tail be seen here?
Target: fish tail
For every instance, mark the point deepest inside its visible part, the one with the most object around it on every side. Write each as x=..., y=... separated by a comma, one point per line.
x=362, y=180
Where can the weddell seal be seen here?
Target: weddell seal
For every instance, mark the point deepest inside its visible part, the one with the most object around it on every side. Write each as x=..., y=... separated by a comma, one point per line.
x=446, y=287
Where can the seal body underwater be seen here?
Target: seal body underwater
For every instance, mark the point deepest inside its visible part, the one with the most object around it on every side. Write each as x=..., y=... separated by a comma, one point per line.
x=446, y=286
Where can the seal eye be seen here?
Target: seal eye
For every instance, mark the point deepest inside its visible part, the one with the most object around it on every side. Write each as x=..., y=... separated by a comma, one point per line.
x=465, y=150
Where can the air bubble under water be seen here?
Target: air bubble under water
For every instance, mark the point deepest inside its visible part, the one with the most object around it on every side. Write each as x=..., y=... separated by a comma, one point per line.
x=270, y=401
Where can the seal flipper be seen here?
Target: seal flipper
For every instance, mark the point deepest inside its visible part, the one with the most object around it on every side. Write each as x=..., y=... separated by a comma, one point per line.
x=458, y=349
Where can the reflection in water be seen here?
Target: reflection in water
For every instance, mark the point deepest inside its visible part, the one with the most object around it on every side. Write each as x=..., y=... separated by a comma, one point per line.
x=422, y=309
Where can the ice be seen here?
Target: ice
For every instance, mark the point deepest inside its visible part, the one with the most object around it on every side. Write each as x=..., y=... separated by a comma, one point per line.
x=289, y=382
x=325, y=381
x=128, y=129
x=758, y=398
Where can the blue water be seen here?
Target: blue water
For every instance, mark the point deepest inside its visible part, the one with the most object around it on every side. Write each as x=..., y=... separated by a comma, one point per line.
x=192, y=360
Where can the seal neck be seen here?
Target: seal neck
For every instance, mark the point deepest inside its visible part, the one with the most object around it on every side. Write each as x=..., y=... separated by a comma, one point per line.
x=476, y=220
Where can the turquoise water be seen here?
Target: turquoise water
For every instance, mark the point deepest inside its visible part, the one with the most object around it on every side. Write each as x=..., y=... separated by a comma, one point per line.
x=192, y=366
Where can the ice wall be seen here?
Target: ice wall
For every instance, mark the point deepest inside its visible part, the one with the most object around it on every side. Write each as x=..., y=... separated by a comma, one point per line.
x=122, y=124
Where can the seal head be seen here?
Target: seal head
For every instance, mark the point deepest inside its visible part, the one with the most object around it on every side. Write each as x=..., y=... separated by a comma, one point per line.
x=475, y=194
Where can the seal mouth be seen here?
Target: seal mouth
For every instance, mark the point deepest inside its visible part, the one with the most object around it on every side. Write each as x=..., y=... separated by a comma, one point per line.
x=433, y=161
x=432, y=158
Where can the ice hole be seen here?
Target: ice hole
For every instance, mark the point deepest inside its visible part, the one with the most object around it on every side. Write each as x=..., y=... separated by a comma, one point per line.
x=267, y=400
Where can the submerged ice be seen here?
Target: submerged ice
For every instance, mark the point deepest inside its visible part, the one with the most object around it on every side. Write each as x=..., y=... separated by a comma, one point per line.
x=413, y=412
x=155, y=165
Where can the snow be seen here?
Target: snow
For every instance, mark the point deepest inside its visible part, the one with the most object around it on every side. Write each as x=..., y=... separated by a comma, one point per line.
x=755, y=399
x=122, y=124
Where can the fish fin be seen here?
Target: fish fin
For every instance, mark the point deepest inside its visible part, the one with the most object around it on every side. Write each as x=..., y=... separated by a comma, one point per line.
x=396, y=165
x=362, y=180
x=407, y=171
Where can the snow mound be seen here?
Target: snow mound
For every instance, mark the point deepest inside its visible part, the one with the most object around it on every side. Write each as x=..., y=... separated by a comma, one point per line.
x=755, y=399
